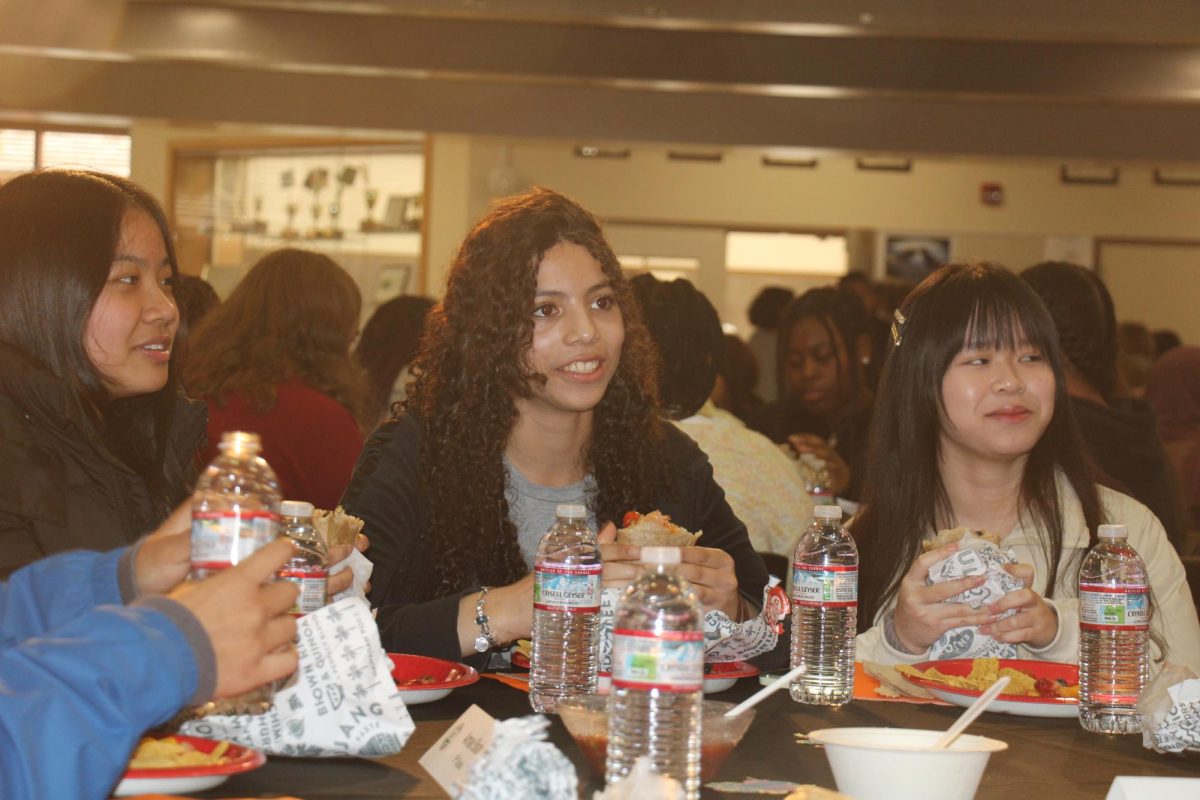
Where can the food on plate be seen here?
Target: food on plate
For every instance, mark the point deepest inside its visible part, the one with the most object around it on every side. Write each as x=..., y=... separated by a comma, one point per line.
x=963, y=535
x=654, y=530
x=425, y=680
x=337, y=527
x=810, y=792
x=170, y=753
x=986, y=671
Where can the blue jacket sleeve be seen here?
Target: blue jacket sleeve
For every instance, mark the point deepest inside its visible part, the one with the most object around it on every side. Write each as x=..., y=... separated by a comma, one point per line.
x=54, y=590
x=74, y=701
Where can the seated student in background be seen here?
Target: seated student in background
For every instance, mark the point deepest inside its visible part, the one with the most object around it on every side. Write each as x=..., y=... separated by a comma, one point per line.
x=1120, y=432
x=386, y=348
x=96, y=648
x=274, y=359
x=1174, y=393
x=762, y=485
x=973, y=428
x=97, y=443
x=827, y=374
x=764, y=313
x=737, y=372
x=534, y=387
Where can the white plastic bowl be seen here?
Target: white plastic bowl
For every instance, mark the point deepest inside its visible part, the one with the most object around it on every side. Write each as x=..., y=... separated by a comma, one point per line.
x=899, y=764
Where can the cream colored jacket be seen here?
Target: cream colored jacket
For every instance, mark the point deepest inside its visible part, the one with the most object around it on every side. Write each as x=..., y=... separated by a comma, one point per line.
x=1174, y=620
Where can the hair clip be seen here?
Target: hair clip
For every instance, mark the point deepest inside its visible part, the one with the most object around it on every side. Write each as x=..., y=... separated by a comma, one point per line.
x=898, y=327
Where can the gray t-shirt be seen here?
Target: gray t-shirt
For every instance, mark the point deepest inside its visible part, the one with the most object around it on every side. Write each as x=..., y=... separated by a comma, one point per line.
x=531, y=507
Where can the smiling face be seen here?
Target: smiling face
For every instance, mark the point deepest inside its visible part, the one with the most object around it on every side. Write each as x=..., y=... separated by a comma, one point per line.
x=816, y=367
x=997, y=402
x=578, y=332
x=132, y=326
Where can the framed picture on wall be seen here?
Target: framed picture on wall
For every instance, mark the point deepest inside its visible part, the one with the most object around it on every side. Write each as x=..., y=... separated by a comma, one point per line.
x=910, y=257
x=392, y=281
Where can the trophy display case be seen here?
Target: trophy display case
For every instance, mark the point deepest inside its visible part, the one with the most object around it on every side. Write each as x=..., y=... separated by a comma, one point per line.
x=361, y=204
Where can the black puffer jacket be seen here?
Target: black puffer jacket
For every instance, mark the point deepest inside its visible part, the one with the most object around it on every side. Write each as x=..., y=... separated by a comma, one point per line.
x=60, y=492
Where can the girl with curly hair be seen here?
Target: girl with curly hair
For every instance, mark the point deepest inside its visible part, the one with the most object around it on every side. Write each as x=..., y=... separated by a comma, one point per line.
x=275, y=359
x=973, y=429
x=534, y=386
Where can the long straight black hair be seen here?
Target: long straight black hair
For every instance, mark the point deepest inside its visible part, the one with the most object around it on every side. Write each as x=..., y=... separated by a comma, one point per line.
x=59, y=233
x=904, y=498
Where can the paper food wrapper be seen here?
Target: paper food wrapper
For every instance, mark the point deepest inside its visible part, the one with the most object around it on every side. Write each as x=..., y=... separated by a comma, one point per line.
x=642, y=783
x=724, y=639
x=362, y=567
x=520, y=764
x=343, y=701
x=1170, y=708
x=977, y=557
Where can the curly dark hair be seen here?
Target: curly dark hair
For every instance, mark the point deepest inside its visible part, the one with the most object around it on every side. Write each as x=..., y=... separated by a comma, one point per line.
x=1083, y=313
x=472, y=366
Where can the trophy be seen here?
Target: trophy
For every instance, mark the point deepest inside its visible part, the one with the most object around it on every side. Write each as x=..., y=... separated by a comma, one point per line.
x=286, y=179
x=345, y=179
x=316, y=180
x=259, y=225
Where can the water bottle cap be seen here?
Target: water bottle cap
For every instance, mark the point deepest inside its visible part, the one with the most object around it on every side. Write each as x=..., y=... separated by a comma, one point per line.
x=295, y=508
x=661, y=555
x=571, y=511
x=827, y=512
x=1112, y=532
x=240, y=442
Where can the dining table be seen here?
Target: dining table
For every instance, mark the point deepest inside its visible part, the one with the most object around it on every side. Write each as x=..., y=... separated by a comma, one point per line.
x=1046, y=757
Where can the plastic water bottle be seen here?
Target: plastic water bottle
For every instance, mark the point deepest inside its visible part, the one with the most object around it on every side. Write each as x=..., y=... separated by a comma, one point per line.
x=235, y=511
x=657, y=675
x=566, y=611
x=824, y=611
x=817, y=481
x=308, y=568
x=1114, y=631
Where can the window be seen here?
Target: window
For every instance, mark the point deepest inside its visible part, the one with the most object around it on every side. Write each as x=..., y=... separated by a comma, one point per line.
x=665, y=268
x=786, y=253
x=24, y=149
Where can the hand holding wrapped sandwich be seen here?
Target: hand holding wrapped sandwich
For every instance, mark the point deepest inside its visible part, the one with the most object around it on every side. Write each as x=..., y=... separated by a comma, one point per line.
x=710, y=570
x=928, y=605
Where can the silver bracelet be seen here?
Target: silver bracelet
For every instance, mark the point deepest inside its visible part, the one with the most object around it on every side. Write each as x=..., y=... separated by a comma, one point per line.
x=484, y=641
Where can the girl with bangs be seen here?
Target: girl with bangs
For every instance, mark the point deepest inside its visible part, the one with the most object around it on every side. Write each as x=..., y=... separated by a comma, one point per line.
x=973, y=429
x=275, y=359
x=535, y=386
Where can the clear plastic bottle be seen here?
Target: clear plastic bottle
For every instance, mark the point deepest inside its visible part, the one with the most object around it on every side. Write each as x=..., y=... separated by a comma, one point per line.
x=235, y=511
x=817, y=481
x=309, y=567
x=566, y=611
x=1114, y=623
x=824, y=611
x=657, y=674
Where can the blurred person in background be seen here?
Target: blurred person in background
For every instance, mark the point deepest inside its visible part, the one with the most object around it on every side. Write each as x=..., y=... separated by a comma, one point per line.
x=97, y=442
x=387, y=346
x=762, y=485
x=196, y=298
x=737, y=374
x=1174, y=392
x=873, y=302
x=827, y=372
x=764, y=340
x=274, y=359
x=1120, y=432
x=1165, y=340
x=1135, y=356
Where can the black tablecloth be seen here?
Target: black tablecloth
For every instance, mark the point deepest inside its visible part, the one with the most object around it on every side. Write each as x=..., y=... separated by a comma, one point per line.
x=1046, y=758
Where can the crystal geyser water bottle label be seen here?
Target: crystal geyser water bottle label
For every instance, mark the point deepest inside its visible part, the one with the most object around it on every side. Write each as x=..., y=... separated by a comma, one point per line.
x=222, y=539
x=824, y=585
x=573, y=588
x=672, y=661
x=312, y=584
x=1105, y=607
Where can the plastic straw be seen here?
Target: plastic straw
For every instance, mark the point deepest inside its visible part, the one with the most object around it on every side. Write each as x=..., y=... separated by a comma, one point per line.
x=764, y=692
x=974, y=710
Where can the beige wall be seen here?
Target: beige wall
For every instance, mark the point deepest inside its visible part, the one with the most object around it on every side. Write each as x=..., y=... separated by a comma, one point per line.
x=936, y=196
